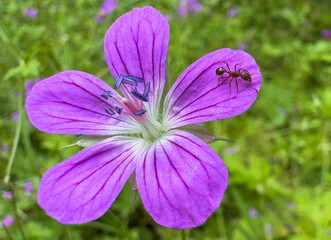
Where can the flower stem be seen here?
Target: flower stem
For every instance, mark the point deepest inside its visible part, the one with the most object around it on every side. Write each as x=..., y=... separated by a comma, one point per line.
x=134, y=196
x=20, y=226
x=8, y=233
x=183, y=234
x=16, y=139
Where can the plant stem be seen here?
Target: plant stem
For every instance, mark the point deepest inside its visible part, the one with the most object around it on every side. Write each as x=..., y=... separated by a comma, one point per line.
x=20, y=226
x=16, y=140
x=183, y=234
x=134, y=196
x=7, y=232
x=325, y=148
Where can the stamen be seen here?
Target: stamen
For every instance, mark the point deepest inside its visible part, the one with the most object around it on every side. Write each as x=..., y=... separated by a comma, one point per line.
x=129, y=81
x=134, y=78
x=119, y=81
x=146, y=91
x=118, y=109
x=109, y=111
x=106, y=95
x=139, y=95
x=140, y=112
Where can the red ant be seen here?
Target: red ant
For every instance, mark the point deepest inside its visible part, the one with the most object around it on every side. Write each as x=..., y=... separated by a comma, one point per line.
x=241, y=72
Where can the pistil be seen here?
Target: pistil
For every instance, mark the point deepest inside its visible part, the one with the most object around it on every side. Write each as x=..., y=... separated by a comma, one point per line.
x=132, y=104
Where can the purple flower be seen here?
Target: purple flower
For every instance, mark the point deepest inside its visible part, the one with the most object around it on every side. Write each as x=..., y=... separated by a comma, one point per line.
x=28, y=187
x=268, y=228
x=232, y=12
x=291, y=205
x=7, y=221
x=326, y=33
x=98, y=18
x=243, y=45
x=31, y=12
x=15, y=116
x=108, y=6
x=6, y=194
x=328, y=233
x=180, y=179
x=253, y=213
x=4, y=149
x=29, y=85
x=189, y=7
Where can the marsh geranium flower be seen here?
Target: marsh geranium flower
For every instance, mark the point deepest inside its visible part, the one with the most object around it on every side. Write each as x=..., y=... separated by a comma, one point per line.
x=29, y=85
x=189, y=6
x=7, y=221
x=28, y=187
x=31, y=13
x=7, y=194
x=180, y=179
x=232, y=12
x=253, y=213
x=14, y=116
x=108, y=6
x=326, y=33
x=4, y=148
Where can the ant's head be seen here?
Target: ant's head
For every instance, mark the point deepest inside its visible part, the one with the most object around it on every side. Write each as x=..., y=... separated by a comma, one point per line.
x=220, y=71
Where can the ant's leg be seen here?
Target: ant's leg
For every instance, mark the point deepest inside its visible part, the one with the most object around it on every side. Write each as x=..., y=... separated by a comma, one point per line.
x=237, y=85
x=227, y=66
x=242, y=69
x=254, y=89
x=235, y=67
x=219, y=79
x=230, y=87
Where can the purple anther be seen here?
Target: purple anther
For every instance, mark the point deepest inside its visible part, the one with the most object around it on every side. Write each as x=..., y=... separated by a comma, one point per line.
x=129, y=81
x=118, y=109
x=140, y=112
x=119, y=81
x=134, y=78
x=146, y=91
x=106, y=95
x=139, y=95
x=109, y=111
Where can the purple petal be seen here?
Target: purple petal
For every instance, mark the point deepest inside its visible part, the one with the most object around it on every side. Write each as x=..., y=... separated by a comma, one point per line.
x=7, y=221
x=326, y=33
x=232, y=12
x=197, y=96
x=70, y=102
x=108, y=6
x=7, y=194
x=84, y=187
x=4, y=148
x=137, y=44
x=31, y=12
x=15, y=116
x=253, y=213
x=98, y=18
x=181, y=180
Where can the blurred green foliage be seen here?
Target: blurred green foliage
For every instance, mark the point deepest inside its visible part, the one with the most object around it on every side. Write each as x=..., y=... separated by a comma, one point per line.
x=279, y=163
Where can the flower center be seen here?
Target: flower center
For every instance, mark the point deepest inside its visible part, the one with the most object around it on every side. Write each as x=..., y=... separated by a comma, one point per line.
x=132, y=104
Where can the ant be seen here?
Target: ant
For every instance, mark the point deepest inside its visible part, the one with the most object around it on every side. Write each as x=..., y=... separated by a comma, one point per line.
x=241, y=72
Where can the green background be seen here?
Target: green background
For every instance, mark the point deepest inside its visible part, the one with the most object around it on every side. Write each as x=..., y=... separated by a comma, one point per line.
x=281, y=149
